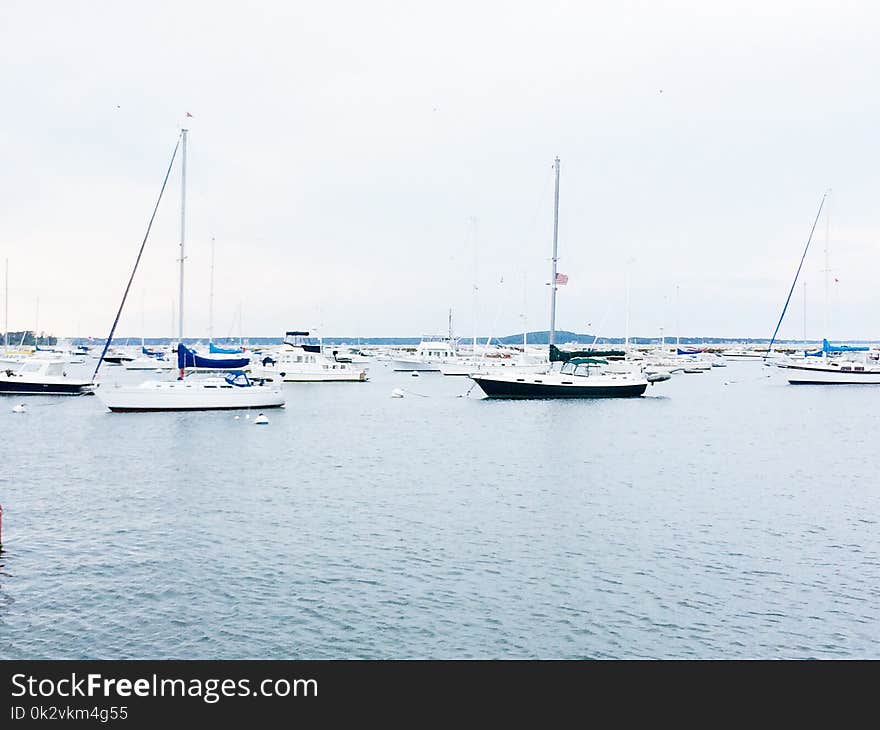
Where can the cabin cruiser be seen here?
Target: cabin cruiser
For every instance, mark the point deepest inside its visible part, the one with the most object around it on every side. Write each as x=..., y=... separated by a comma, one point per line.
x=42, y=376
x=301, y=359
x=430, y=354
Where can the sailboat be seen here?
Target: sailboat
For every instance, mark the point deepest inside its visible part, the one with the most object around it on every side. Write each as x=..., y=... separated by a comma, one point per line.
x=833, y=364
x=235, y=390
x=579, y=377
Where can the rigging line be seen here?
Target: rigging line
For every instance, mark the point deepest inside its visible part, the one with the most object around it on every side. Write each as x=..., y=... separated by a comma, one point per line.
x=137, y=260
x=797, y=274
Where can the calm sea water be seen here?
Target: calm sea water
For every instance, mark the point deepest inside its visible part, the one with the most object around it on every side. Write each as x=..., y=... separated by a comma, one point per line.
x=706, y=520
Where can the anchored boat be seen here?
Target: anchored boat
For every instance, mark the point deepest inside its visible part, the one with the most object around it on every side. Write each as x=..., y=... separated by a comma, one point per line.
x=234, y=391
x=579, y=377
x=42, y=376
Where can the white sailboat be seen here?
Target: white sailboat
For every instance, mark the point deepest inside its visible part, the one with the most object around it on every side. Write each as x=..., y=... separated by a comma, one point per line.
x=234, y=391
x=833, y=365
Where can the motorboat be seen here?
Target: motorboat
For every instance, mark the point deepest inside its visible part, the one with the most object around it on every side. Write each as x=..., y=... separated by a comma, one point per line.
x=301, y=359
x=42, y=376
x=429, y=355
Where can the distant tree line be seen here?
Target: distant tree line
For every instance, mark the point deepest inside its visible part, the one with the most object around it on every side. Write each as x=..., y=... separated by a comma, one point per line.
x=29, y=339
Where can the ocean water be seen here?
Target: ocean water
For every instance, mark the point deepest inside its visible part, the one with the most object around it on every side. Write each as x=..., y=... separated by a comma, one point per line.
x=725, y=514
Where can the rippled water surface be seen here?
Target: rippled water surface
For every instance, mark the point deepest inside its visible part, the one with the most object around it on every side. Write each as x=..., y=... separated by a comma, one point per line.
x=724, y=515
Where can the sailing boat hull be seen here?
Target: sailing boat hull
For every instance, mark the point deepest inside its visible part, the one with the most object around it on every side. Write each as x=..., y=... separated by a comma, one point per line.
x=181, y=395
x=504, y=388
x=17, y=387
x=806, y=375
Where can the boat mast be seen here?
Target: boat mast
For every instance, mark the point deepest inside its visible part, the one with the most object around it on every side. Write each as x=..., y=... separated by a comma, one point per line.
x=183, y=134
x=805, y=316
x=476, y=288
x=211, y=303
x=626, y=326
x=6, y=310
x=825, y=316
x=552, y=337
x=677, y=320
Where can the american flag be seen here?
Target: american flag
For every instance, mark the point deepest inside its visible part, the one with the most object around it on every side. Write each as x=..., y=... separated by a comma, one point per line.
x=561, y=279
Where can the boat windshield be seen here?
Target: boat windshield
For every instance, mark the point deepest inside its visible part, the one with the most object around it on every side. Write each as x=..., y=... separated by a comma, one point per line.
x=581, y=366
x=300, y=339
x=239, y=378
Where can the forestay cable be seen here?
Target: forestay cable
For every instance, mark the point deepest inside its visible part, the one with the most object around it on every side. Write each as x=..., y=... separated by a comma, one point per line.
x=138, y=260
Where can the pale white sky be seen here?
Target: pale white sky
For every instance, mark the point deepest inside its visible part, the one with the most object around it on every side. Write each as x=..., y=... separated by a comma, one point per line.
x=338, y=151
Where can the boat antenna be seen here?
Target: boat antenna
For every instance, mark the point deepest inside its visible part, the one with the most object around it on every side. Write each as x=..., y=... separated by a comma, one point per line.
x=137, y=260
x=553, y=287
x=797, y=273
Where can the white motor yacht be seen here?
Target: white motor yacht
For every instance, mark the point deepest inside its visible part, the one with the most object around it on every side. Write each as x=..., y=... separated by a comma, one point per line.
x=301, y=359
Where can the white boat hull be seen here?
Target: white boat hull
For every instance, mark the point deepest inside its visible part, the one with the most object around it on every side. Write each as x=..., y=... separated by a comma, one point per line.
x=419, y=366
x=187, y=395
x=280, y=374
x=812, y=375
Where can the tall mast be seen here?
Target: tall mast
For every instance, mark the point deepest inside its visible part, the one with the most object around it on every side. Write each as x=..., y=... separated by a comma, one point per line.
x=6, y=310
x=626, y=326
x=211, y=304
x=476, y=287
x=677, y=319
x=805, y=316
x=552, y=338
x=825, y=316
x=182, y=233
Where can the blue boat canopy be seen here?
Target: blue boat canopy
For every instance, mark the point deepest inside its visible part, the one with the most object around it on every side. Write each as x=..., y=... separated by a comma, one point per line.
x=688, y=352
x=826, y=347
x=187, y=358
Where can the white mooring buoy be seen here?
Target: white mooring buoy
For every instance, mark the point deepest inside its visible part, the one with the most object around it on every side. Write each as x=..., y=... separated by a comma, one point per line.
x=414, y=374
x=261, y=420
x=19, y=408
x=397, y=393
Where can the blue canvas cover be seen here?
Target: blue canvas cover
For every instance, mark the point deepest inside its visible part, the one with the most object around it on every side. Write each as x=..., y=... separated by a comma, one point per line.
x=187, y=358
x=826, y=347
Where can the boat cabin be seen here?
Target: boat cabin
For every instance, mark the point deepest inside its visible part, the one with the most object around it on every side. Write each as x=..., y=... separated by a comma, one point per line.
x=49, y=368
x=582, y=366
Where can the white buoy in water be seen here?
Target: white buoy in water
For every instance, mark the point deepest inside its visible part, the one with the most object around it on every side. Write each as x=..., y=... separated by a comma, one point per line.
x=261, y=420
x=237, y=418
x=247, y=416
x=18, y=409
x=397, y=393
x=415, y=374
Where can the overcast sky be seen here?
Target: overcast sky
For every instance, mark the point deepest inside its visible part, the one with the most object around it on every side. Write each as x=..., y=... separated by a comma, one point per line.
x=339, y=152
